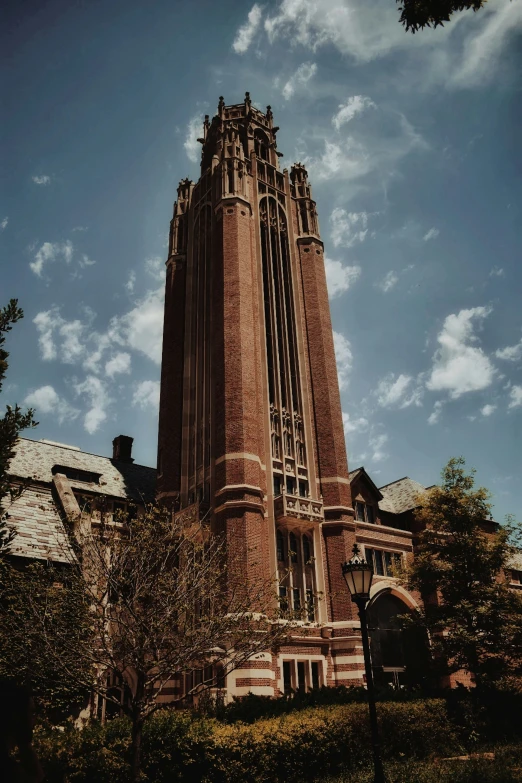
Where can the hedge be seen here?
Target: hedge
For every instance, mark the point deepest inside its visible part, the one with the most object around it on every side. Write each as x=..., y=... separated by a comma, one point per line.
x=301, y=746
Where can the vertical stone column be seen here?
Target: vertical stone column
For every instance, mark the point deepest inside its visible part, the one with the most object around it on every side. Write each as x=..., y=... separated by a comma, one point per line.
x=239, y=436
x=332, y=466
x=171, y=395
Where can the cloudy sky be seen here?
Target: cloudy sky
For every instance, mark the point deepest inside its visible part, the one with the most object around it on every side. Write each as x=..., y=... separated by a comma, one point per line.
x=413, y=148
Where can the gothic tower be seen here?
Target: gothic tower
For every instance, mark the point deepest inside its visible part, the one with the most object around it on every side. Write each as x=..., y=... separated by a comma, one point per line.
x=250, y=429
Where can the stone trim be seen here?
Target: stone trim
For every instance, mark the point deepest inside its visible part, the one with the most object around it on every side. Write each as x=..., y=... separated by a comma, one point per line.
x=239, y=455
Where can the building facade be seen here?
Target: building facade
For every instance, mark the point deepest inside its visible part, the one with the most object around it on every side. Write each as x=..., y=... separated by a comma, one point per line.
x=251, y=441
x=251, y=437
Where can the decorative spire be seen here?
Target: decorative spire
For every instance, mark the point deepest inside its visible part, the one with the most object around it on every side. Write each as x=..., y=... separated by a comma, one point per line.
x=221, y=106
x=248, y=102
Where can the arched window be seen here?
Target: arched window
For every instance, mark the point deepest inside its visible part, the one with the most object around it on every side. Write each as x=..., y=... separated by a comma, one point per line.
x=280, y=540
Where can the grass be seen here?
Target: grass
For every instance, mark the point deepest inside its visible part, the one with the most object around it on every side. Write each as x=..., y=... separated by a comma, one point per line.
x=506, y=768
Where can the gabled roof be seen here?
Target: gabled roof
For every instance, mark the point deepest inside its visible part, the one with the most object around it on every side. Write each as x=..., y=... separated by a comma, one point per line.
x=361, y=473
x=400, y=495
x=36, y=459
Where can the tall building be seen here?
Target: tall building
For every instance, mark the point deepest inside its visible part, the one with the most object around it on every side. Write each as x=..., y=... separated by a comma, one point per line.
x=250, y=429
x=251, y=439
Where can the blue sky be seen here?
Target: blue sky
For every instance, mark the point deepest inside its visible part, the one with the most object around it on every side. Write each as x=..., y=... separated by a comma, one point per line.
x=413, y=149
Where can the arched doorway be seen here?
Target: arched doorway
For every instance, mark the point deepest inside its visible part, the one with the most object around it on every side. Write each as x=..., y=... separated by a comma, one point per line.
x=400, y=656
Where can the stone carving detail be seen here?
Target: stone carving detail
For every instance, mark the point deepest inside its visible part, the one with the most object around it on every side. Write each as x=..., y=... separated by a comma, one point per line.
x=274, y=432
x=287, y=433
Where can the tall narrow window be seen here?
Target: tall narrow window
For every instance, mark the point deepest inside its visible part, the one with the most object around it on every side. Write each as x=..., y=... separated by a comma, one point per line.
x=316, y=678
x=301, y=675
x=280, y=546
x=307, y=549
x=287, y=676
x=293, y=548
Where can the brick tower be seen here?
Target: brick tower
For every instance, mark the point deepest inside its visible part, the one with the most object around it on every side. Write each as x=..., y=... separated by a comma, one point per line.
x=250, y=427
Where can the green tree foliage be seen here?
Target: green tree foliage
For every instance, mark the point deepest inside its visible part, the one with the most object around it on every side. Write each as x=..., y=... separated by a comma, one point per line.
x=473, y=617
x=42, y=606
x=12, y=423
x=418, y=14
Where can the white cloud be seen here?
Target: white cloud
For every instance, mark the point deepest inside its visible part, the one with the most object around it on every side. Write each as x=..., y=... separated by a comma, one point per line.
x=348, y=159
x=3, y=224
x=356, y=104
x=80, y=228
x=401, y=391
x=245, y=34
x=146, y=394
x=49, y=252
x=191, y=143
x=129, y=285
x=339, y=278
x=433, y=233
x=434, y=416
x=515, y=394
x=142, y=327
x=44, y=179
x=496, y=271
x=70, y=335
x=85, y=261
x=388, y=282
x=344, y=358
x=303, y=75
x=96, y=394
x=374, y=147
x=155, y=266
x=482, y=51
x=350, y=425
x=377, y=444
x=73, y=341
x=459, y=367
x=46, y=323
x=487, y=410
x=348, y=228
x=46, y=400
x=120, y=363
x=463, y=54
x=512, y=353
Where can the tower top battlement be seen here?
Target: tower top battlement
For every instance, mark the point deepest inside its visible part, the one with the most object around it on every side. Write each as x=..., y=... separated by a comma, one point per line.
x=238, y=130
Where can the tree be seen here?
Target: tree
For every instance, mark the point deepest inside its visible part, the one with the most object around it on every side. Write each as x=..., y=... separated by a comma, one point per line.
x=11, y=424
x=60, y=683
x=161, y=605
x=473, y=618
x=418, y=14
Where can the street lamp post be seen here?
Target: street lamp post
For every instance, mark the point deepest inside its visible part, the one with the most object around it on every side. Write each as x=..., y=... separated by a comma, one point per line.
x=358, y=575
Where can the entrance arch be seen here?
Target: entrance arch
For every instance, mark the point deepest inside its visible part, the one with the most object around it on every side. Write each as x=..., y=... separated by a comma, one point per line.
x=400, y=656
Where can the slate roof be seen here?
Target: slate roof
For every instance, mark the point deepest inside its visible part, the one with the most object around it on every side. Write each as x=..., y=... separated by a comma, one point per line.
x=400, y=495
x=39, y=530
x=515, y=561
x=36, y=459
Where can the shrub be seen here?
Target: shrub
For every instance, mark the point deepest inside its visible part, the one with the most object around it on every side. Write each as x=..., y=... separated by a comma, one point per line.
x=304, y=745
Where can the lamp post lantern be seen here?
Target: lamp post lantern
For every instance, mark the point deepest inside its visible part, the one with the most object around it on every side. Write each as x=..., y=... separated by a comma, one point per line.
x=358, y=575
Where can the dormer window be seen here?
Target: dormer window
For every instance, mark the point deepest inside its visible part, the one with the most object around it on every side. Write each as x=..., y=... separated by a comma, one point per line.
x=77, y=474
x=364, y=512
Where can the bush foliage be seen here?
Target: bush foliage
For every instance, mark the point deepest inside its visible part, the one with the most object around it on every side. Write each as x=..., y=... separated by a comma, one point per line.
x=304, y=745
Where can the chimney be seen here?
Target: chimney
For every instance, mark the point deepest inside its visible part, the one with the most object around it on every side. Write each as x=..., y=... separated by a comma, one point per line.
x=122, y=448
